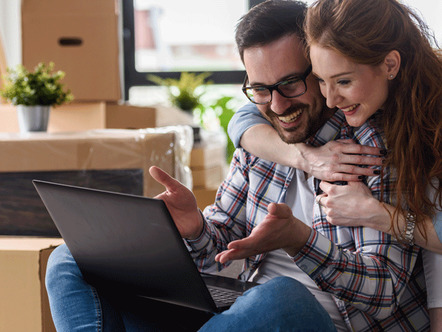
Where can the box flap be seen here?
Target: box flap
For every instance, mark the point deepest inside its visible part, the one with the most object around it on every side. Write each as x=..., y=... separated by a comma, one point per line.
x=46, y=317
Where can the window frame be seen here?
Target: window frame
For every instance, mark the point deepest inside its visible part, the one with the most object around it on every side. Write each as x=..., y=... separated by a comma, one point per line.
x=133, y=78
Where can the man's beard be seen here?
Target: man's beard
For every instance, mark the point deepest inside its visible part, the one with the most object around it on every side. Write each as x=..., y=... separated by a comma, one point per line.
x=298, y=133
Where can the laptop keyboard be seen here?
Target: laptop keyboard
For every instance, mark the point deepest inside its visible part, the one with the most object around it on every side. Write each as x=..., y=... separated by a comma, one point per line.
x=222, y=296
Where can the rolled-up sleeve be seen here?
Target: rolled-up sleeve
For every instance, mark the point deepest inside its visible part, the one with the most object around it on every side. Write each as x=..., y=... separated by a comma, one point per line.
x=246, y=117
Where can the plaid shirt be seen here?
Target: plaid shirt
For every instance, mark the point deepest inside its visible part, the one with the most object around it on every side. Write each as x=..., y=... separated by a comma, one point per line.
x=378, y=284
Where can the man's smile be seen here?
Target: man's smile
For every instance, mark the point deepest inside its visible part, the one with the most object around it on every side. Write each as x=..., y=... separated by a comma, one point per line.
x=291, y=117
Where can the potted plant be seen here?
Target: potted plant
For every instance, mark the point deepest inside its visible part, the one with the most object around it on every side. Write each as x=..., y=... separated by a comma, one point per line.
x=34, y=93
x=183, y=91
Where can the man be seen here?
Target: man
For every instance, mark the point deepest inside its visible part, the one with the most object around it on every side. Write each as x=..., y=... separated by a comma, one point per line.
x=363, y=283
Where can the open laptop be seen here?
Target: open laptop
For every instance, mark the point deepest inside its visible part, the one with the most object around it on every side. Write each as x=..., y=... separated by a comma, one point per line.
x=131, y=243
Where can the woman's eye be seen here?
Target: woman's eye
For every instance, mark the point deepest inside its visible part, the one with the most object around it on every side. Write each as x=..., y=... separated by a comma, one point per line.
x=319, y=80
x=344, y=82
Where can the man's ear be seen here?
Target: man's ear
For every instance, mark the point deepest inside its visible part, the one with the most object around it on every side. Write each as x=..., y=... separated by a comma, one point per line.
x=392, y=62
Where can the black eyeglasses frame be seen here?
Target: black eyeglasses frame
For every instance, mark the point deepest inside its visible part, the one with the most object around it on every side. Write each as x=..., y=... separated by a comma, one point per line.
x=275, y=86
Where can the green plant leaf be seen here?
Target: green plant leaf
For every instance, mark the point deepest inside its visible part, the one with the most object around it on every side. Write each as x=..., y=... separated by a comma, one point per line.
x=182, y=91
x=40, y=87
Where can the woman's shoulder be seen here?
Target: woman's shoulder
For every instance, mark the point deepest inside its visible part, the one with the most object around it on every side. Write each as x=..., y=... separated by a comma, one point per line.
x=372, y=132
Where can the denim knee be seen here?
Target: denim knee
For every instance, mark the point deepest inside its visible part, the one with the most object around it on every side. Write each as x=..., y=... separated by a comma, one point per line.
x=281, y=304
x=61, y=265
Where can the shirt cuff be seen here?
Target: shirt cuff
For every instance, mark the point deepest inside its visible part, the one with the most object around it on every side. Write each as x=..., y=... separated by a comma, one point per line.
x=313, y=256
x=201, y=241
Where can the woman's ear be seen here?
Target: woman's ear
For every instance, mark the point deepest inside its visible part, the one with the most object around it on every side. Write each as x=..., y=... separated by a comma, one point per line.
x=392, y=64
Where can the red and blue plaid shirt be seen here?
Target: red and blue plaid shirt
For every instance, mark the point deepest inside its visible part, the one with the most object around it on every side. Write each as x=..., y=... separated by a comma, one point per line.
x=378, y=283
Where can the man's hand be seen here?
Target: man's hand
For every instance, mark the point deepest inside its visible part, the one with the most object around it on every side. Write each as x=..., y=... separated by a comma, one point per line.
x=338, y=160
x=279, y=229
x=181, y=204
x=351, y=205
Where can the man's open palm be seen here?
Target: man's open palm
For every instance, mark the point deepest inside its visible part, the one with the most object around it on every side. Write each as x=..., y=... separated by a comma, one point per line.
x=181, y=204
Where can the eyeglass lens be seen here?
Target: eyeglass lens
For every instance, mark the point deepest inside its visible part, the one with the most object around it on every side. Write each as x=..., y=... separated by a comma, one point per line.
x=288, y=89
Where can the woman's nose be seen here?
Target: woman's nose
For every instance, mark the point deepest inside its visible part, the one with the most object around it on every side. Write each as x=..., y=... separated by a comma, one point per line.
x=332, y=97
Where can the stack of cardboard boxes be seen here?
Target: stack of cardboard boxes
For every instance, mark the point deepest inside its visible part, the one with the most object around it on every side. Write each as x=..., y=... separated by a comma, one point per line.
x=82, y=38
x=208, y=166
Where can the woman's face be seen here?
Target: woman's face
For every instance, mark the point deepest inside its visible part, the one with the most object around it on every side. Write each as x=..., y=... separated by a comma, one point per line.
x=358, y=90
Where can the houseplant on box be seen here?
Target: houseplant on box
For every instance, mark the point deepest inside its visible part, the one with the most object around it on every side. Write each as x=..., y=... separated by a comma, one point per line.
x=183, y=92
x=34, y=93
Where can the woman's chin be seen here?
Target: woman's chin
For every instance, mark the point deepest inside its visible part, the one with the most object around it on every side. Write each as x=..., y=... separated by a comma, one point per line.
x=355, y=122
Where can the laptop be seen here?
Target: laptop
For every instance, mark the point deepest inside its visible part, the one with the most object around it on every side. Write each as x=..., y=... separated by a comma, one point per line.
x=130, y=243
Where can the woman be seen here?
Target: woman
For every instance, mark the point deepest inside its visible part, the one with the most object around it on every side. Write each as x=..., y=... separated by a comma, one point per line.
x=370, y=56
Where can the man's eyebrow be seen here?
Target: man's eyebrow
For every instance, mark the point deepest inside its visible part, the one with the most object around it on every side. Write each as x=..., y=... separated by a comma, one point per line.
x=280, y=80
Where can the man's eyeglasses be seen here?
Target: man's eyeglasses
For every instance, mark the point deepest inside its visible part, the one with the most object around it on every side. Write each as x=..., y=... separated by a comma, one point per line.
x=291, y=87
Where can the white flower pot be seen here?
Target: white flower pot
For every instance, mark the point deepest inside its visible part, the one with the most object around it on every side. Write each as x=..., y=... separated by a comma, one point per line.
x=33, y=118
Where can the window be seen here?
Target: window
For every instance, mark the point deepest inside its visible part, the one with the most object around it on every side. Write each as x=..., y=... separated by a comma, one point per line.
x=167, y=37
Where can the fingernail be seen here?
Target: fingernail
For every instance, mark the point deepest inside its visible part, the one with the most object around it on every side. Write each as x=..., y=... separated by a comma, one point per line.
x=383, y=151
x=361, y=177
x=376, y=172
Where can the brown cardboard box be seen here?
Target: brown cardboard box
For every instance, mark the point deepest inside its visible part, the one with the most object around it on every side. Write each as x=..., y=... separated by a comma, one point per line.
x=207, y=177
x=207, y=156
x=115, y=160
x=81, y=37
x=204, y=197
x=24, y=303
x=86, y=116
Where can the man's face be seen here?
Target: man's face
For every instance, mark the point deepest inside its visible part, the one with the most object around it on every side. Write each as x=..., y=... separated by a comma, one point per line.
x=295, y=119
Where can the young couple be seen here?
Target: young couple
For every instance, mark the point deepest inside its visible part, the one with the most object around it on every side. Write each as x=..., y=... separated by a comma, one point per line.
x=373, y=62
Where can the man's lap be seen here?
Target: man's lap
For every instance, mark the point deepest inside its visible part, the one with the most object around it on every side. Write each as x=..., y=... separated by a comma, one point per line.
x=282, y=303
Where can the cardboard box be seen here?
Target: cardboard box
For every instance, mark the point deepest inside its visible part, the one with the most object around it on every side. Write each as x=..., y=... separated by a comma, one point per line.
x=24, y=302
x=210, y=151
x=86, y=116
x=115, y=160
x=204, y=197
x=81, y=37
x=207, y=177
x=206, y=156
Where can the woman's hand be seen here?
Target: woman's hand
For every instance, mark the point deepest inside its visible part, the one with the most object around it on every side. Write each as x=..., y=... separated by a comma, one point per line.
x=340, y=160
x=353, y=205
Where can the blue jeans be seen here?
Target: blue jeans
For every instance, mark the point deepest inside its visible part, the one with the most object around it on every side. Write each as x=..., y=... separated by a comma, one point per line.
x=282, y=304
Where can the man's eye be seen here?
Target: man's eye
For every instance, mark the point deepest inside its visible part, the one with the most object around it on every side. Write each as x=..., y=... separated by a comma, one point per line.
x=290, y=82
x=259, y=89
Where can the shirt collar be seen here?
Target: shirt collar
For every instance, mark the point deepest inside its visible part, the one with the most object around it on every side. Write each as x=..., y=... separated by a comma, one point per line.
x=330, y=131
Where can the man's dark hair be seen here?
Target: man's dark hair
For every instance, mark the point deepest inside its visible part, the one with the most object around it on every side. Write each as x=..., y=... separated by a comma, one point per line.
x=269, y=21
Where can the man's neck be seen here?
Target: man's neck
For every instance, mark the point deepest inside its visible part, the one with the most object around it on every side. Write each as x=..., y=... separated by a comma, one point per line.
x=326, y=115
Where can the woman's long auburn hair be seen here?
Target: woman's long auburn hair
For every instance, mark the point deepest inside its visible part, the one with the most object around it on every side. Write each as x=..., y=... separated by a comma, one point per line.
x=365, y=32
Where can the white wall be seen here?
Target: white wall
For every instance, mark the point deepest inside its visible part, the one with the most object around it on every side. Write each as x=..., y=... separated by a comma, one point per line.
x=10, y=30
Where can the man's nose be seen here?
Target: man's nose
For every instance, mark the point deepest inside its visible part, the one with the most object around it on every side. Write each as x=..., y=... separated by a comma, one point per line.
x=279, y=102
